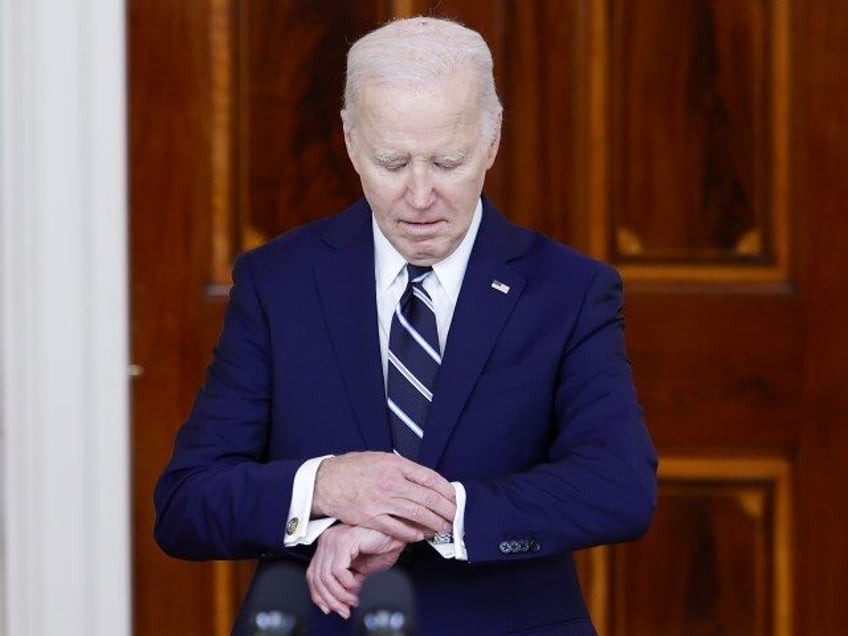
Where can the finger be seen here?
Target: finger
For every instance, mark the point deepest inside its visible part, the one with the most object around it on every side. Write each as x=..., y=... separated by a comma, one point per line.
x=356, y=588
x=385, y=485
x=316, y=588
x=371, y=564
x=342, y=584
x=373, y=542
x=336, y=604
x=428, y=478
x=317, y=572
x=417, y=506
x=401, y=530
x=328, y=595
x=421, y=514
x=409, y=500
x=431, y=490
x=334, y=592
x=337, y=579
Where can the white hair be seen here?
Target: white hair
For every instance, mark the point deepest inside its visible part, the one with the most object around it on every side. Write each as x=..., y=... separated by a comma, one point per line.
x=412, y=51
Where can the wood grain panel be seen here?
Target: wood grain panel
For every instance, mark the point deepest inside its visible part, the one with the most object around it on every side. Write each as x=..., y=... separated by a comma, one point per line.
x=223, y=124
x=170, y=200
x=541, y=58
x=704, y=554
x=822, y=190
x=295, y=167
x=715, y=561
x=594, y=569
x=694, y=133
x=718, y=370
x=690, y=127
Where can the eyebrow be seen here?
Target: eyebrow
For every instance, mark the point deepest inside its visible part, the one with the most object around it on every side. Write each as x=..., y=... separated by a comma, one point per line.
x=452, y=157
x=389, y=157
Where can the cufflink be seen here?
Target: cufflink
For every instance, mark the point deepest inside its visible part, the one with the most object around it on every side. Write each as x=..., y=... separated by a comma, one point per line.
x=291, y=526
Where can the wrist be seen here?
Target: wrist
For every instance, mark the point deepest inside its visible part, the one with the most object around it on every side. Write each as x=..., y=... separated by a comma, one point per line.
x=319, y=507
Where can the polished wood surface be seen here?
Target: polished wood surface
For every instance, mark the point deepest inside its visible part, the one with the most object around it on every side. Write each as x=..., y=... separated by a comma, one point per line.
x=821, y=192
x=292, y=61
x=170, y=200
x=698, y=145
x=689, y=83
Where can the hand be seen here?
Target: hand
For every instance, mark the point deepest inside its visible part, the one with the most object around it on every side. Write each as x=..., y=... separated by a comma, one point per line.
x=344, y=557
x=384, y=492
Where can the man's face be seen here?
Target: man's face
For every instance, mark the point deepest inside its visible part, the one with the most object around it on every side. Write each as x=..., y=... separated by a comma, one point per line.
x=422, y=158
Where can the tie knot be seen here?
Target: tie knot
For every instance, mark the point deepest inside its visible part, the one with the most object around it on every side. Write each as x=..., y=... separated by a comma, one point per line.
x=416, y=273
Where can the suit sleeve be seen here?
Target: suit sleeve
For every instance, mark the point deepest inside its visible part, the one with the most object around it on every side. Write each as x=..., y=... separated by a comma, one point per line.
x=219, y=497
x=598, y=483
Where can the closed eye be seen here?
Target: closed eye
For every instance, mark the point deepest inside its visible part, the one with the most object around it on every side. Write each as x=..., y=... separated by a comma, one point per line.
x=393, y=167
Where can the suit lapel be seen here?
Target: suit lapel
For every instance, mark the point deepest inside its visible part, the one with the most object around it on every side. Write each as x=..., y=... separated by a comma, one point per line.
x=345, y=283
x=480, y=314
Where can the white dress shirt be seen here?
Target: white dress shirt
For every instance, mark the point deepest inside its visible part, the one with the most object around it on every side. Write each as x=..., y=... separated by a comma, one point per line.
x=391, y=279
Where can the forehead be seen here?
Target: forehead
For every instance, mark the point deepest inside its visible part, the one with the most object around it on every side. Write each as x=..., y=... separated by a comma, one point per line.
x=442, y=111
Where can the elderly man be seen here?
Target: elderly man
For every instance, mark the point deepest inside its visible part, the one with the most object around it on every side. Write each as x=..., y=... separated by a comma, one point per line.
x=416, y=382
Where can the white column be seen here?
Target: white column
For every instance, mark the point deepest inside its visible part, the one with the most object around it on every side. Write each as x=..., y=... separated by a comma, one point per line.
x=63, y=318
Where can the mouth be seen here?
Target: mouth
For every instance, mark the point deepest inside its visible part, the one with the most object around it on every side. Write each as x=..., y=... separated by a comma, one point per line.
x=421, y=228
x=422, y=224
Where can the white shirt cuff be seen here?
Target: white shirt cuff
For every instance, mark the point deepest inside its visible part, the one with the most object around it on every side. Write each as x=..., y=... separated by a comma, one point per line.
x=300, y=528
x=453, y=547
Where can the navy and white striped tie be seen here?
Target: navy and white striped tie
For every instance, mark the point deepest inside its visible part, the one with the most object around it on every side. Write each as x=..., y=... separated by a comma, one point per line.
x=414, y=359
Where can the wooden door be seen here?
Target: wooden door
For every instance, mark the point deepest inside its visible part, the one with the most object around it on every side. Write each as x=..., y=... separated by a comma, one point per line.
x=698, y=145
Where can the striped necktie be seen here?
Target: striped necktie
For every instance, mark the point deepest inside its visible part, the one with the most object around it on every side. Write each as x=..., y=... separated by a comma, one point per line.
x=414, y=360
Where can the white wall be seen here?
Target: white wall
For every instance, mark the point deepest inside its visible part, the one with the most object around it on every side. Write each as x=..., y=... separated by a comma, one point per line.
x=63, y=319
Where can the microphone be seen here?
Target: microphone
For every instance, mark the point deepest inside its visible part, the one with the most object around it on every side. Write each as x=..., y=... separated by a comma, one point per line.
x=279, y=604
x=386, y=605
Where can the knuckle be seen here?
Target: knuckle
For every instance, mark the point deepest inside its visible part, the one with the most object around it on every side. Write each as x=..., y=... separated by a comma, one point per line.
x=416, y=512
x=372, y=511
x=431, y=499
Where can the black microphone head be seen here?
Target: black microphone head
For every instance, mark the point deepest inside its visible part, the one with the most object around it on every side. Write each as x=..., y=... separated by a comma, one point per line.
x=279, y=603
x=386, y=605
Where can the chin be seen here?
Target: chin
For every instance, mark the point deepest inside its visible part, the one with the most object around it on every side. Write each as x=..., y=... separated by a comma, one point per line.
x=423, y=260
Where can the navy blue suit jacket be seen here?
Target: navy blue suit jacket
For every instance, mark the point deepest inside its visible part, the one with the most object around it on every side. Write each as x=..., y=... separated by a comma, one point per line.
x=534, y=411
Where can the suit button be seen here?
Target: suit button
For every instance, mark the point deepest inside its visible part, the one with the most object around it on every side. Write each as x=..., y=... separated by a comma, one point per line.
x=504, y=547
x=525, y=545
x=291, y=526
x=514, y=546
x=534, y=546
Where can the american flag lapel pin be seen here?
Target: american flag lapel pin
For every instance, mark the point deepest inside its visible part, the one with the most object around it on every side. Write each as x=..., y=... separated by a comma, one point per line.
x=499, y=286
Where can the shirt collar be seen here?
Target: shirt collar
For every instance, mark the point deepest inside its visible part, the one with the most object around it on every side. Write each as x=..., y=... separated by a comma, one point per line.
x=389, y=264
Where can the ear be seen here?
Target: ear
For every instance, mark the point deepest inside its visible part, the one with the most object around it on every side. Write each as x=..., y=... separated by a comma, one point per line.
x=492, y=150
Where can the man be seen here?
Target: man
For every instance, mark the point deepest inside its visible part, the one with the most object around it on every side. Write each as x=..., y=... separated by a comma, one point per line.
x=416, y=382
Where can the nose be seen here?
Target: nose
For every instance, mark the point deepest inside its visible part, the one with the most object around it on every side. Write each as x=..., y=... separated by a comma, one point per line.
x=419, y=188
